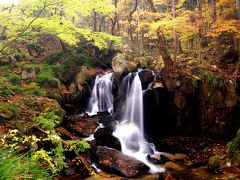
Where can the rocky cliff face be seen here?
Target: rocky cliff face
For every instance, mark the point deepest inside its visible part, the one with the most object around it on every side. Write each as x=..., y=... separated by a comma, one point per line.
x=179, y=106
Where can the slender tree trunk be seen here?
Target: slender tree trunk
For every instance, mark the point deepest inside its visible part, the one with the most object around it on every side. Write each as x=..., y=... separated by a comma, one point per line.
x=175, y=34
x=130, y=30
x=114, y=21
x=161, y=42
x=94, y=21
x=3, y=33
x=214, y=11
x=162, y=46
x=101, y=24
x=238, y=8
x=199, y=4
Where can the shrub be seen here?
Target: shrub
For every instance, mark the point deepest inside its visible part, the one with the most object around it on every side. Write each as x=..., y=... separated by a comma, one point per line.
x=14, y=166
x=15, y=79
x=214, y=164
x=5, y=90
x=47, y=80
x=233, y=148
x=10, y=107
x=76, y=146
x=47, y=120
x=6, y=71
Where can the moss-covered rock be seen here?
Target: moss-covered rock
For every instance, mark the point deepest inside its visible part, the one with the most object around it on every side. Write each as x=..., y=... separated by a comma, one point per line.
x=214, y=164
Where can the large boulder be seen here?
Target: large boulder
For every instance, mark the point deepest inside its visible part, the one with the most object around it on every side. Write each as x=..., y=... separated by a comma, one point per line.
x=121, y=65
x=83, y=128
x=146, y=77
x=104, y=137
x=115, y=161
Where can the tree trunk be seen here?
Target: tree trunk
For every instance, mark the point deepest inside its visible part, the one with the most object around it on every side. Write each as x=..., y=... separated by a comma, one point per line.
x=101, y=24
x=94, y=21
x=199, y=4
x=175, y=34
x=130, y=20
x=162, y=46
x=3, y=33
x=238, y=8
x=214, y=11
x=161, y=42
x=114, y=21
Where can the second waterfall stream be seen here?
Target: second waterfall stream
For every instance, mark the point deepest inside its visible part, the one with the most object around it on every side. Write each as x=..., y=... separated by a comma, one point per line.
x=130, y=129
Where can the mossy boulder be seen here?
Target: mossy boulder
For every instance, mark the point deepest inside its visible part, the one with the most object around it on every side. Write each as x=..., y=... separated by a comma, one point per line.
x=39, y=104
x=8, y=111
x=6, y=114
x=214, y=164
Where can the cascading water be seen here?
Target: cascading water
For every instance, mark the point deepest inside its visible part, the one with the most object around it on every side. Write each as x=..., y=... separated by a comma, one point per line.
x=130, y=130
x=101, y=97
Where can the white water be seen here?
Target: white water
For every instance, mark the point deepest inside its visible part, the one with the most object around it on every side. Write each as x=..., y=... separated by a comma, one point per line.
x=130, y=131
x=101, y=97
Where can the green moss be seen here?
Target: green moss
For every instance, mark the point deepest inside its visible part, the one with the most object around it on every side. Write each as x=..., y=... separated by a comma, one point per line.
x=233, y=148
x=15, y=79
x=214, y=163
x=5, y=90
x=46, y=80
x=76, y=146
x=47, y=120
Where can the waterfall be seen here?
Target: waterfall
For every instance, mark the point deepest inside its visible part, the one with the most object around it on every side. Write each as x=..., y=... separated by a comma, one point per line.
x=101, y=96
x=130, y=130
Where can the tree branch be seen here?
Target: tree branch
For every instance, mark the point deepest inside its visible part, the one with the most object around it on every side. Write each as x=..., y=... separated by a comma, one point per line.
x=31, y=22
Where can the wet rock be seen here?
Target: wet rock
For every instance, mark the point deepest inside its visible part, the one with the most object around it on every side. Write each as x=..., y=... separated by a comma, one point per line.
x=70, y=109
x=163, y=159
x=230, y=57
x=65, y=134
x=83, y=128
x=157, y=84
x=180, y=100
x=165, y=176
x=6, y=114
x=28, y=74
x=108, y=122
x=158, y=160
x=119, y=163
x=214, y=164
x=79, y=165
x=104, y=137
x=81, y=77
x=119, y=64
x=146, y=77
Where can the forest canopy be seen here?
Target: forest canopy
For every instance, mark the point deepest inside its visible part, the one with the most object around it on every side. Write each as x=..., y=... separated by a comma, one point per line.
x=151, y=27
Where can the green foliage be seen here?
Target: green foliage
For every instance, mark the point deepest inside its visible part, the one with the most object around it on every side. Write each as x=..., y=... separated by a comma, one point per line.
x=213, y=79
x=76, y=146
x=14, y=166
x=6, y=71
x=47, y=119
x=46, y=78
x=15, y=79
x=46, y=17
x=214, y=163
x=233, y=147
x=14, y=139
x=64, y=64
x=5, y=90
x=195, y=83
x=208, y=76
x=10, y=107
